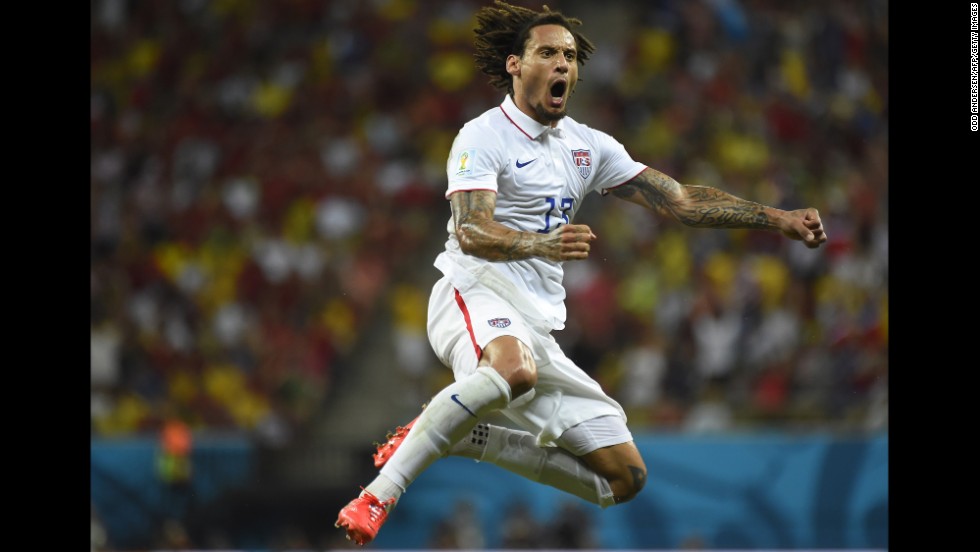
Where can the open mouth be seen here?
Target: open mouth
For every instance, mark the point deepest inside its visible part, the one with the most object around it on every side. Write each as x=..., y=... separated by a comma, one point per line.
x=558, y=93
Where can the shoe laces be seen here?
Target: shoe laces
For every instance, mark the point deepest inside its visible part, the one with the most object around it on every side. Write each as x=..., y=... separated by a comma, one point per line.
x=377, y=510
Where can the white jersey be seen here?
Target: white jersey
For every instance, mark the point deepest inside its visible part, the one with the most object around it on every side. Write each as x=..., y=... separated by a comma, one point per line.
x=541, y=175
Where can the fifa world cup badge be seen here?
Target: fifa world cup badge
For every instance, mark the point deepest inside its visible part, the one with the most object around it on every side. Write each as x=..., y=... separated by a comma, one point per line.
x=464, y=162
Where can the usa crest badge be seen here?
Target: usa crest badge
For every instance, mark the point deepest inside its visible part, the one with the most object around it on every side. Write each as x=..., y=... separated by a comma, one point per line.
x=583, y=162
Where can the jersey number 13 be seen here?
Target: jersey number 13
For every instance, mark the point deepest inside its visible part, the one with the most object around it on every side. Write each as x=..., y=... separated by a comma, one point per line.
x=566, y=206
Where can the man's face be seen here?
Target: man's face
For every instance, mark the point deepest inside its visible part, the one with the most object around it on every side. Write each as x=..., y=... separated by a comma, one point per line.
x=546, y=74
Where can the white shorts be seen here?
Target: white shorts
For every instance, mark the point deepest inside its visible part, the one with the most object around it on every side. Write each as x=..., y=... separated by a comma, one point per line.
x=593, y=434
x=461, y=324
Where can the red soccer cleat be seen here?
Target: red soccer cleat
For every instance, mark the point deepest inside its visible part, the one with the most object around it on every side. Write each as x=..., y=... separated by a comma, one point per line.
x=363, y=517
x=386, y=449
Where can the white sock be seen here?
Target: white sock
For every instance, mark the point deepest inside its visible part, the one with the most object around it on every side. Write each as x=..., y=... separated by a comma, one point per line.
x=518, y=452
x=473, y=445
x=384, y=488
x=446, y=419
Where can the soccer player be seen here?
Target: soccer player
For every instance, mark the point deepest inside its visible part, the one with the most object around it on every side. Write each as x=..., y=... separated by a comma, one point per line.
x=517, y=174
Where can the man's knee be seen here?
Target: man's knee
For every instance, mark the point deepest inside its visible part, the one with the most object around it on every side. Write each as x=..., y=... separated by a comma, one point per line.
x=521, y=381
x=622, y=467
x=512, y=359
x=628, y=483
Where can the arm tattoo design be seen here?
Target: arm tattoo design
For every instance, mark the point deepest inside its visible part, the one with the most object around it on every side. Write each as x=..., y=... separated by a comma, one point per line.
x=483, y=237
x=651, y=189
x=699, y=206
x=718, y=209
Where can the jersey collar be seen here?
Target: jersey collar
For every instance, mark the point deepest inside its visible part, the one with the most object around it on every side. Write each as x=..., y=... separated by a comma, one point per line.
x=531, y=128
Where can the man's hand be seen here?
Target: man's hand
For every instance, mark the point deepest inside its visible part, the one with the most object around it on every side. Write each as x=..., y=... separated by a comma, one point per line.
x=804, y=225
x=568, y=242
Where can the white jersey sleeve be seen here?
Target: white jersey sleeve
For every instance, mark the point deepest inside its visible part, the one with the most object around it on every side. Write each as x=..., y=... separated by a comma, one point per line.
x=476, y=159
x=617, y=166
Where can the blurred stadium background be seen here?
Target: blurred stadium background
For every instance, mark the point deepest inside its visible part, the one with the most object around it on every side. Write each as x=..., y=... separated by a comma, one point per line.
x=266, y=201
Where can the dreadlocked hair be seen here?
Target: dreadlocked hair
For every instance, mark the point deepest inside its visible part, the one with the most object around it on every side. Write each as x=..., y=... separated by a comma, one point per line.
x=503, y=29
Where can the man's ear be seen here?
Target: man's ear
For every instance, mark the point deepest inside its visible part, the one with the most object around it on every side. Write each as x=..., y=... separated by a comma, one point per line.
x=514, y=65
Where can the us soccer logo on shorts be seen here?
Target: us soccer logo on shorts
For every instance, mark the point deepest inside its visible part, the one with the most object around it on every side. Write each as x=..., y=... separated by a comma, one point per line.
x=583, y=162
x=499, y=322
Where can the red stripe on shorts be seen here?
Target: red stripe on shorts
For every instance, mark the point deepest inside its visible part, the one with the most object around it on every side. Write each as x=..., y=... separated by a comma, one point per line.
x=469, y=325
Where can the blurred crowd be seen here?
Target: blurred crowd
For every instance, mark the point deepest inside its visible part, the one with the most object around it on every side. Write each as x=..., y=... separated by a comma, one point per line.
x=569, y=527
x=264, y=176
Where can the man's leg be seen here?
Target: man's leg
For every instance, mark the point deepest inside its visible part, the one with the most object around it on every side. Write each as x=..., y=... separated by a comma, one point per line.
x=517, y=451
x=447, y=418
x=601, y=474
x=605, y=476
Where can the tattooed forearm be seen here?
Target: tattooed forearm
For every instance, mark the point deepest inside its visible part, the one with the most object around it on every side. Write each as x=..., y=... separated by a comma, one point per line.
x=699, y=206
x=711, y=207
x=481, y=236
x=728, y=218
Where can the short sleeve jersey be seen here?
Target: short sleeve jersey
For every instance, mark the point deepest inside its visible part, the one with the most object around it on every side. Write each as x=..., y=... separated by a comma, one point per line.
x=541, y=175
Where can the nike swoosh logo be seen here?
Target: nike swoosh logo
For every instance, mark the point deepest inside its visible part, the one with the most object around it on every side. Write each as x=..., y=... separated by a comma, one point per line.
x=455, y=399
x=522, y=165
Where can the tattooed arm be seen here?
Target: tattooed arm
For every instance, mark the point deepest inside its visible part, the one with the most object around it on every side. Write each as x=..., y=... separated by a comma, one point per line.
x=707, y=207
x=481, y=236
